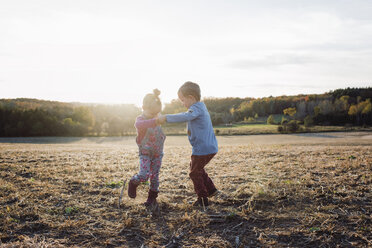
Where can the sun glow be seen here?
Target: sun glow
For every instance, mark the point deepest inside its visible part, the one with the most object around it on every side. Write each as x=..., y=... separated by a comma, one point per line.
x=118, y=52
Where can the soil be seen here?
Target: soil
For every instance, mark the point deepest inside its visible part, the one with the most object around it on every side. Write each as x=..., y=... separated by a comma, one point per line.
x=310, y=190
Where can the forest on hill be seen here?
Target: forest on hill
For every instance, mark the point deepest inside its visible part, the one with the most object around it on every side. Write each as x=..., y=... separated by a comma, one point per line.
x=23, y=117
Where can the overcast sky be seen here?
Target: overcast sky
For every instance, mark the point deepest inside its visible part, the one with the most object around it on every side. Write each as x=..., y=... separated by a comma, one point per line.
x=117, y=51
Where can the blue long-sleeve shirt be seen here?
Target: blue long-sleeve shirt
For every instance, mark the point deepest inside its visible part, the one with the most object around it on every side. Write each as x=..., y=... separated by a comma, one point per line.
x=199, y=127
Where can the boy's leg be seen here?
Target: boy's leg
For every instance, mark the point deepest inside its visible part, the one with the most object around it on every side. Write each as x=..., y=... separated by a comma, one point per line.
x=211, y=189
x=202, y=183
x=207, y=180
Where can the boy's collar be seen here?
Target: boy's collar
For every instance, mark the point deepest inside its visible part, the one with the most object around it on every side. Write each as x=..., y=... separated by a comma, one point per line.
x=195, y=103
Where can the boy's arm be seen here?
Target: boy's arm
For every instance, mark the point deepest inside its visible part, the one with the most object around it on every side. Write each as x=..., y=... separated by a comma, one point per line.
x=191, y=114
x=142, y=123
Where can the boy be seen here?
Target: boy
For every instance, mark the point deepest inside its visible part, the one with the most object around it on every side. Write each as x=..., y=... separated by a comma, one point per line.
x=202, y=139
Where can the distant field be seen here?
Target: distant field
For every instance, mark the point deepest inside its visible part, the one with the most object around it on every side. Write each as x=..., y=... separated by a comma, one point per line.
x=298, y=190
x=242, y=129
x=246, y=129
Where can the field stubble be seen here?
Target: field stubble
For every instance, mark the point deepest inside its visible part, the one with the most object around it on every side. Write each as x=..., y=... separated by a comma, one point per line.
x=272, y=195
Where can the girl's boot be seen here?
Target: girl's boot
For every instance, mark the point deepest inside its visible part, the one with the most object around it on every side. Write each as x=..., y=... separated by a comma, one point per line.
x=151, y=199
x=132, y=188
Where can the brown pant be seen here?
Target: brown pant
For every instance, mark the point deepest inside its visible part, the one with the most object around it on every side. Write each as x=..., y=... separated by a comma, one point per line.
x=203, y=185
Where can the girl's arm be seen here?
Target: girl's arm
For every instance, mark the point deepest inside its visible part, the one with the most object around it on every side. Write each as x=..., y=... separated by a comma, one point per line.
x=191, y=114
x=142, y=123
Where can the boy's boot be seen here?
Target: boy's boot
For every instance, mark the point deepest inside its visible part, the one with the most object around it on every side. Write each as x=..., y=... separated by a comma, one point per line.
x=151, y=199
x=201, y=201
x=132, y=188
x=213, y=192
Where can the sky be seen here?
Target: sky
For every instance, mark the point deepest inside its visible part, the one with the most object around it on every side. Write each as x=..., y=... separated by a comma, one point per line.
x=117, y=51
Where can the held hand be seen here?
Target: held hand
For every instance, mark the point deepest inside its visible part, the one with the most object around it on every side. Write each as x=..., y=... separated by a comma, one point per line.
x=161, y=119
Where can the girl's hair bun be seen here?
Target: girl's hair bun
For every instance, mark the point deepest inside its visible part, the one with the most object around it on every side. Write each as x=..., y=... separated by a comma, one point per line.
x=151, y=100
x=156, y=92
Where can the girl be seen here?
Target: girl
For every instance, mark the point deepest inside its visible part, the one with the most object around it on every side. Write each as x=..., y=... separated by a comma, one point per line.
x=150, y=140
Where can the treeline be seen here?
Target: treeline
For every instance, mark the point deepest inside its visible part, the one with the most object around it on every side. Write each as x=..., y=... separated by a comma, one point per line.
x=351, y=106
x=32, y=117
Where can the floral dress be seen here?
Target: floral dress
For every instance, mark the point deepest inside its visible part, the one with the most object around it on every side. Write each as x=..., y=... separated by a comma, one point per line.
x=150, y=153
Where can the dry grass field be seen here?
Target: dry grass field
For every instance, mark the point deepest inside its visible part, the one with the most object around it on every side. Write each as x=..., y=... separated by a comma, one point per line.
x=305, y=190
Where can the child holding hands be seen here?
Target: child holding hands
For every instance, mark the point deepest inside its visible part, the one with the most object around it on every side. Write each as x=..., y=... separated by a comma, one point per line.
x=201, y=136
x=150, y=140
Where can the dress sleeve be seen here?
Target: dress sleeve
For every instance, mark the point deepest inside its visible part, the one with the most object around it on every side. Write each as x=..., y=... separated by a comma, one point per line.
x=142, y=123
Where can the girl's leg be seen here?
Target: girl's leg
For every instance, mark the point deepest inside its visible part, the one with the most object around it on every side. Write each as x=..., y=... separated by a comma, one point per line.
x=154, y=173
x=154, y=181
x=142, y=176
x=144, y=172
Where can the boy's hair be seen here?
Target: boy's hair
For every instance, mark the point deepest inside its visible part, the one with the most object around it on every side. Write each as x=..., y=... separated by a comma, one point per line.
x=190, y=88
x=152, y=100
